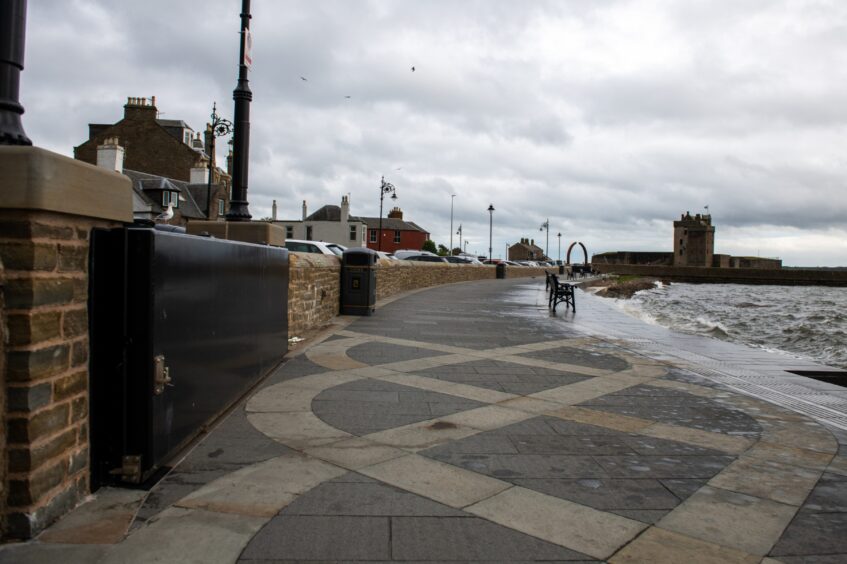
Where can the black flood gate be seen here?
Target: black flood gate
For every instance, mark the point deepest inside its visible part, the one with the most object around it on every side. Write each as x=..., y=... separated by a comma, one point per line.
x=181, y=327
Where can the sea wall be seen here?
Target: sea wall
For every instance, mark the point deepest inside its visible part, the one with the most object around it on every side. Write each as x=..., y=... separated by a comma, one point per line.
x=694, y=274
x=314, y=291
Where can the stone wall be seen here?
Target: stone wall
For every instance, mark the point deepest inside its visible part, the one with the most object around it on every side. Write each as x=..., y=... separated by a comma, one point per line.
x=46, y=307
x=313, y=292
x=3, y=456
x=714, y=275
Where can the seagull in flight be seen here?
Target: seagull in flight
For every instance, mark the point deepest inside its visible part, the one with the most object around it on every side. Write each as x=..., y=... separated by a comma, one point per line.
x=304, y=79
x=413, y=69
x=348, y=97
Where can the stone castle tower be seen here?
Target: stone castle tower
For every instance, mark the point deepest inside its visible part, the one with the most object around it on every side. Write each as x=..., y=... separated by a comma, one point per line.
x=693, y=240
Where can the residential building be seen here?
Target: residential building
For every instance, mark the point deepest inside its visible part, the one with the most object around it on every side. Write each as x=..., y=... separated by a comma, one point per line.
x=396, y=233
x=526, y=250
x=332, y=224
x=167, y=149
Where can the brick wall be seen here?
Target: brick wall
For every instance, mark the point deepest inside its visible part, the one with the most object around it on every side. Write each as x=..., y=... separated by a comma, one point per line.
x=45, y=256
x=313, y=292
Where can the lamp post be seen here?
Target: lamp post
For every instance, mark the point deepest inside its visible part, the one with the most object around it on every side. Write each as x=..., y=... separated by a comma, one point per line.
x=451, y=223
x=384, y=188
x=218, y=128
x=506, y=256
x=559, y=235
x=241, y=137
x=459, y=233
x=546, y=225
x=490, y=228
x=12, y=35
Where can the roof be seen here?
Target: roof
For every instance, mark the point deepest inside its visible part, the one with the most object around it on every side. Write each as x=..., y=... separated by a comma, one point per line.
x=326, y=213
x=173, y=123
x=391, y=223
x=143, y=183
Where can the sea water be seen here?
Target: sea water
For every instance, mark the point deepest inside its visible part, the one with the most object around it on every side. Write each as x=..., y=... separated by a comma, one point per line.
x=804, y=321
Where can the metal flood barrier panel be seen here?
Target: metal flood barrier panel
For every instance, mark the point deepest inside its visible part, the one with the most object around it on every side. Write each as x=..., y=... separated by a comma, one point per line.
x=181, y=327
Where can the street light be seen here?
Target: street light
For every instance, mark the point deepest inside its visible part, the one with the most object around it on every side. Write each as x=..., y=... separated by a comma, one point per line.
x=451, y=223
x=546, y=225
x=218, y=128
x=459, y=233
x=490, y=229
x=384, y=188
x=506, y=256
x=12, y=32
x=241, y=137
x=559, y=235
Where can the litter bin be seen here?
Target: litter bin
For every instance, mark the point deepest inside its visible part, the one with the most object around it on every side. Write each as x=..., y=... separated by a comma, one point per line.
x=561, y=269
x=501, y=271
x=358, y=281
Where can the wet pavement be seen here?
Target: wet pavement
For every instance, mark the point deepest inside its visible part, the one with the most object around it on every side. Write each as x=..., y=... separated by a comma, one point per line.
x=465, y=423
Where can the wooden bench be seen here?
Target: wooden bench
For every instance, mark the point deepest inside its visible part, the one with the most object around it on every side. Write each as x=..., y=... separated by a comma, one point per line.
x=560, y=292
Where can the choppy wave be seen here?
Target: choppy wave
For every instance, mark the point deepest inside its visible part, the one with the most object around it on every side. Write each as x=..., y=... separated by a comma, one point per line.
x=807, y=321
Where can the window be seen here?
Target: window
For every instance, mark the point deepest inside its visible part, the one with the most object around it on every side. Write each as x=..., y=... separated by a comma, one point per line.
x=171, y=198
x=221, y=207
x=166, y=199
x=289, y=232
x=353, y=232
x=186, y=136
x=308, y=232
x=373, y=235
x=397, y=236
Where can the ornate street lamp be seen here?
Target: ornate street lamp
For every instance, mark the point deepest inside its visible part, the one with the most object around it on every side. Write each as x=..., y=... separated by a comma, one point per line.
x=451, y=223
x=241, y=137
x=12, y=34
x=490, y=229
x=546, y=225
x=384, y=188
x=218, y=128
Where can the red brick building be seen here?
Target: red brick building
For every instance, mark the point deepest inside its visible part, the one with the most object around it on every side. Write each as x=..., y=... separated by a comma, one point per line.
x=396, y=233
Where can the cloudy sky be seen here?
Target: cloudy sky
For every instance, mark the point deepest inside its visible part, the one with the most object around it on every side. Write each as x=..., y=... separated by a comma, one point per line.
x=609, y=117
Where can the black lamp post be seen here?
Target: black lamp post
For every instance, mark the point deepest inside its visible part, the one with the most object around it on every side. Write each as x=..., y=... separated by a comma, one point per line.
x=559, y=235
x=459, y=233
x=546, y=225
x=219, y=128
x=241, y=137
x=384, y=188
x=490, y=229
x=12, y=35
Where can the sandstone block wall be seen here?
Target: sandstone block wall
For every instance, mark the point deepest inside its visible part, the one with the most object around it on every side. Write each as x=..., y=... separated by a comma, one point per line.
x=45, y=256
x=314, y=286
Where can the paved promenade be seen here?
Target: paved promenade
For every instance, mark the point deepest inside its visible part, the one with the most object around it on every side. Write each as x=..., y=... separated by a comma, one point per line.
x=465, y=424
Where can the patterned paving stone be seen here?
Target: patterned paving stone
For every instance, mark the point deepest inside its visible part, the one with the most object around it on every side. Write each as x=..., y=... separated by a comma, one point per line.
x=714, y=419
x=607, y=493
x=384, y=405
x=320, y=537
x=584, y=357
x=637, y=466
x=666, y=547
x=503, y=376
x=510, y=466
x=383, y=353
x=469, y=539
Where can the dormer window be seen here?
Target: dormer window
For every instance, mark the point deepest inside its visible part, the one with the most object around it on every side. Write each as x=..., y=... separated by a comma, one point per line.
x=171, y=198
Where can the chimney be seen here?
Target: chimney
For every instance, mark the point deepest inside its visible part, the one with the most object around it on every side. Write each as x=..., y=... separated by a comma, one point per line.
x=305, y=213
x=110, y=155
x=199, y=174
x=273, y=211
x=208, y=142
x=139, y=109
x=345, y=209
x=532, y=242
x=197, y=143
x=395, y=213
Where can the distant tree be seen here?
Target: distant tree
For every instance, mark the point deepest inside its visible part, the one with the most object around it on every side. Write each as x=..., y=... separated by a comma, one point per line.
x=457, y=251
x=442, y=250
x=429, y=245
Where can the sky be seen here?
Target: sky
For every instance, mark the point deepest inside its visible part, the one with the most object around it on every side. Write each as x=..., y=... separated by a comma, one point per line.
x=607, y=118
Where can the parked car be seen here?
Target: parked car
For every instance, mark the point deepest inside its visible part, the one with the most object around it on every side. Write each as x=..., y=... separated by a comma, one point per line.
x=426, y=258
x=462, y=260
x=336, y=248
x=492, y=261
x=386, y=256
x=301, y=246
x=403, y=253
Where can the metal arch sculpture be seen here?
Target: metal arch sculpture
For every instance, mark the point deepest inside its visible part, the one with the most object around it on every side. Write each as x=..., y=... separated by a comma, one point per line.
x=584, y=252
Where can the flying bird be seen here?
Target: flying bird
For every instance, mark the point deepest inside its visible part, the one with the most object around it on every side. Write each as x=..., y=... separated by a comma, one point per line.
x=413, y=69
x=304, y=79
x=166, y=215
x=348, y=97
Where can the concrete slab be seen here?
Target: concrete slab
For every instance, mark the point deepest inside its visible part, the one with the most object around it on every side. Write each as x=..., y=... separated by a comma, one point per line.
x=258, y=491
x=103, y=518
x=613, y=421
x=354, y=453
x=717, y=441
x=441, y=482
x=730, y=519
x=485, y=418
x=297, y=430
x=659, y=546
x=789, y=455
x=767, y=479
x=596, y=533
